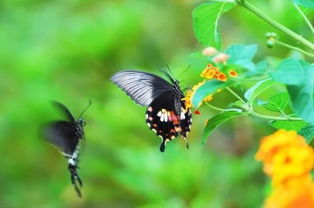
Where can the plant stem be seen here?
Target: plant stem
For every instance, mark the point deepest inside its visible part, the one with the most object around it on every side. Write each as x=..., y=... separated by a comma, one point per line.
x=237, y=96
x=251, y=79
x=214, y=107
x=295, y=48
x=304, y=17
x=275, y=24
x=285, y=115
x=250, y=110
x=278, y=118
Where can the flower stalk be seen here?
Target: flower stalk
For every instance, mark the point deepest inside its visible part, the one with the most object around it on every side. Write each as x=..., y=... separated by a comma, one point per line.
x=275, y=24
x=304, y=17
x=251, y=111
x=294, y=48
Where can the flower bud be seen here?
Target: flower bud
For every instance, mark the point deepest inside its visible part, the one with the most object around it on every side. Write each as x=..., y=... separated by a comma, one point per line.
x=221, y=58
x=209, y=51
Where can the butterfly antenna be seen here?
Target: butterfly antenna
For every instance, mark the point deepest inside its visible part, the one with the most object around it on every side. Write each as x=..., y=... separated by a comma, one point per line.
x=168, y=73
x=184, y=70
x=89, y=104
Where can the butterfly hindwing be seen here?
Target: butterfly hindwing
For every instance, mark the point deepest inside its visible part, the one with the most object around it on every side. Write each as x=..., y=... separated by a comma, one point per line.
x=162, y=128
x=163, y=119
x=185, y=122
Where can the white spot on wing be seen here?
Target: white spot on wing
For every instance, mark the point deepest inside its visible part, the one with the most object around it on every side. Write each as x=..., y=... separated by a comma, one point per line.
x=166, y=117
x=162, y=117
x=182, y=116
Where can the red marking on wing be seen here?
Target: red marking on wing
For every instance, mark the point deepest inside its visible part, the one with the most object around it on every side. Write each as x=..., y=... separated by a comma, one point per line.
x=174, y=118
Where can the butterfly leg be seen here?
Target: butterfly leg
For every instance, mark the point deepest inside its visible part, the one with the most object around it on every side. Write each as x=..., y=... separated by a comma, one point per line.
x=75, y=179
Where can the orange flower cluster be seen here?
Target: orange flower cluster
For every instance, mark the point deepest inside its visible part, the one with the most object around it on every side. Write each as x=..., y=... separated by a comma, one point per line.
x=288, y=160
x=233, y=73
x=212, y=72
x=190, y=93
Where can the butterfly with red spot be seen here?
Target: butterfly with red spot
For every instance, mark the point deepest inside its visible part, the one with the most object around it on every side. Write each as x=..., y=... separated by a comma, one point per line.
x=166, y=112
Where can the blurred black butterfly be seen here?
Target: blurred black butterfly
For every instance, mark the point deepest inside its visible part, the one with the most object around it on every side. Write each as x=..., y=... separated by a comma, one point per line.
x=166, y=113
x=66, y=136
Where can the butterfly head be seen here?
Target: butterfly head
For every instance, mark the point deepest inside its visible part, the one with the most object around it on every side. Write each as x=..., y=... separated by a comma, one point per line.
x=176, y=83
x=177, y=89
x=81, y=122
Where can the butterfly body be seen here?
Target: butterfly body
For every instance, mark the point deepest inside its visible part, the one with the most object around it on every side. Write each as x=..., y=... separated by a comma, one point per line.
x=166, y=114
x=66, y=136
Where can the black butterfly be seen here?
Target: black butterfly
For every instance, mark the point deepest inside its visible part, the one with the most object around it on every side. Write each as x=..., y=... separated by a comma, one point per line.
x=66, y=136
x=166, y=113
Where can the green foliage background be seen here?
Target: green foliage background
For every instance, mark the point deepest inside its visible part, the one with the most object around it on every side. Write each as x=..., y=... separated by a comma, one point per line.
x=67, y=51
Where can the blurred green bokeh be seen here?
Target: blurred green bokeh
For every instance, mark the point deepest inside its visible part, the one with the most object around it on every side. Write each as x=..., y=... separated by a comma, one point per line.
x=67, y=51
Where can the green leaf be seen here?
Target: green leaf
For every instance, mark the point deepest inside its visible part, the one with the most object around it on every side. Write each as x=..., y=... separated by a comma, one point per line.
x=197, y=61
x=262, y=65
x=305, y=3
x=215, y=121
x=252, y=93
x=242, y=55
x=306, y=11
x=290, y=71
x=308, y=133
x=208, y=88
x=260, y=68
x=278, y=102
x=302, y=98
x=205, y=22
x=245, y=63
x=239, y=52
x=299, y=78
x=288, y=125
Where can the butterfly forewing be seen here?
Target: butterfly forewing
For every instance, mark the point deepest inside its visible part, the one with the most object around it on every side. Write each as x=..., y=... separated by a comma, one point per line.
x=64, y=110
x=63, y=135
x=142, y=87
